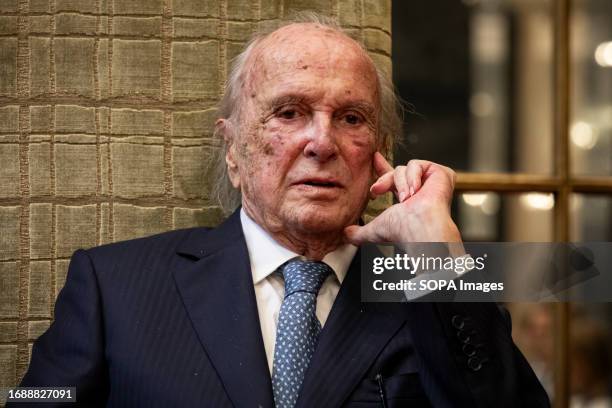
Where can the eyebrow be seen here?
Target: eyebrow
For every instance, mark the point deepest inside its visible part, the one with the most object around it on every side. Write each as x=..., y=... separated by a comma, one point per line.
x=367, y=108
x=288, y=99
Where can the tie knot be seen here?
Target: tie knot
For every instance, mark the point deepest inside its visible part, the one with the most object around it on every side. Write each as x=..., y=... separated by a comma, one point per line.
x=304, y=276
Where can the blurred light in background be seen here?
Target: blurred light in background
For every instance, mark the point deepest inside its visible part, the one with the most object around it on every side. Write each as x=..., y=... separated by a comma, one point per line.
x=482, y=104
x=603, y=54
x=474, y=199
x=488, y=202
x=583, y=135
x=538, y=201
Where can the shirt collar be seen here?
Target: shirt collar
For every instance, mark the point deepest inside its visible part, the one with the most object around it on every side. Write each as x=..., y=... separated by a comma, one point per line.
x=266, y=255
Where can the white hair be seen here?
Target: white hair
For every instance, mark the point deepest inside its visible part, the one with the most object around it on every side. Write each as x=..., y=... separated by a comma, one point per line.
x=388, y=131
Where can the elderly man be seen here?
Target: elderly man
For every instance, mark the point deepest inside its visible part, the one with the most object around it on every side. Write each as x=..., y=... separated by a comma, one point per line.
x=265, y=309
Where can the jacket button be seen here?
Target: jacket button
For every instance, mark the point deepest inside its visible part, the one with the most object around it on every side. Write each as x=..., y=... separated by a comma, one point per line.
x=474, y=363
x=468, y=349
x=463, y=336
x=458, y=322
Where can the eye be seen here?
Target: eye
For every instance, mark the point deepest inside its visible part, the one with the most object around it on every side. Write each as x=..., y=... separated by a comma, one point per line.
x=352, y=118
x=288, y=113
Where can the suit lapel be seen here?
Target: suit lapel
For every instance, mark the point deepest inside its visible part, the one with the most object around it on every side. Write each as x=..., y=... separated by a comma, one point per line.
x=353, y=336
x=217, y=291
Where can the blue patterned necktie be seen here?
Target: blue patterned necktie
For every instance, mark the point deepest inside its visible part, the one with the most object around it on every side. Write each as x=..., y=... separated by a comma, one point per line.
x=298, y=328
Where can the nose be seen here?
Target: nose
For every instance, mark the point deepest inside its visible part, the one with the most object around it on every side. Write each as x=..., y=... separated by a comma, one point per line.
x=321, y=144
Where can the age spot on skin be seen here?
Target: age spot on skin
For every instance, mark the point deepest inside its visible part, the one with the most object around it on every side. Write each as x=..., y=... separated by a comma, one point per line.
x=268, y=149
x=304, y=66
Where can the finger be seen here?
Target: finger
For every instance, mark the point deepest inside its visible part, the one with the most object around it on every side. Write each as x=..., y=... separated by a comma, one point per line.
x=400, y=178
x=415, y=170
x=451, y=175
x=358, y=235
x=385, y=171
x=383, y=184
x=381, y=165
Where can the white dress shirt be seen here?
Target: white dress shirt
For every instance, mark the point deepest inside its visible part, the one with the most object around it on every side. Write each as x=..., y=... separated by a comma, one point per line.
x=266, y=255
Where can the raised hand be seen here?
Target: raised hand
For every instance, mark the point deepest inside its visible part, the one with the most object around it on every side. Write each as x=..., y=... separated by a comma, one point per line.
x=424, y=190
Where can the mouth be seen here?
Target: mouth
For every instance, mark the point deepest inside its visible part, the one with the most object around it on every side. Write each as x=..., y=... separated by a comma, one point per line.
x=320, y=183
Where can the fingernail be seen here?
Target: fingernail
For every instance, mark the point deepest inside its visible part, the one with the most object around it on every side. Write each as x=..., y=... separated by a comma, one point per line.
x=411, y=191
x=402, y=196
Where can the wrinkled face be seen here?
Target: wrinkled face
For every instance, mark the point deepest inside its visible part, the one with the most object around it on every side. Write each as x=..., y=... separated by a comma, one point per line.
x=302, y=155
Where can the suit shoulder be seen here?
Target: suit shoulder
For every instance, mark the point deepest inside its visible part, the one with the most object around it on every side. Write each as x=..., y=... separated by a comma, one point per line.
x=159, y=245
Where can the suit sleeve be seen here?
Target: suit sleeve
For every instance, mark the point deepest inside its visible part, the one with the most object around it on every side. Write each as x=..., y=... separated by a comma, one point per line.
x=526, y=389
x=71, y=351
x=532, y=391
x=493, y=367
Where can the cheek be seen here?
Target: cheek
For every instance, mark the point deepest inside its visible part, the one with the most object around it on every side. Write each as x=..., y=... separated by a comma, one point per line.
x=266, y=152
x=272, y=140
x=359, y=156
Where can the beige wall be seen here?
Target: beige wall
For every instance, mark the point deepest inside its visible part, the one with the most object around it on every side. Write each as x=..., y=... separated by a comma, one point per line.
x=106, y=113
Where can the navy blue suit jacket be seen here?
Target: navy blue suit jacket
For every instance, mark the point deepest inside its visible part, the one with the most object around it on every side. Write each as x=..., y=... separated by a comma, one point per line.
x=171, y=321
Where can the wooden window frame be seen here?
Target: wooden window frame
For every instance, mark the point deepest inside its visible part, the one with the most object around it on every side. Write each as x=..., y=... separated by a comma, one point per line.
x=562, y=184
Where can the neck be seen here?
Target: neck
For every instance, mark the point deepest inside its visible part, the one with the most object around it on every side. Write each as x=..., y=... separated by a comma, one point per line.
x=311, y=245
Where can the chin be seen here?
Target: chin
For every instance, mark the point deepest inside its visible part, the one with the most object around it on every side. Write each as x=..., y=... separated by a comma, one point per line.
x=315, y=219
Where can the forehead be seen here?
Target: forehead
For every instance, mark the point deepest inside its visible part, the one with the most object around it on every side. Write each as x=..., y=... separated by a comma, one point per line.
x=311, y=56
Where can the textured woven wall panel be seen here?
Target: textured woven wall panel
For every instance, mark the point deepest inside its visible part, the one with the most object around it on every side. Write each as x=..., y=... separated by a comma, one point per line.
x=194, y=123
x=137, y=6
x=198, y=8
x=40, y=173
x=8, y=24
x=107, y=110
x=39, y=283
x=131, y=76
x=61, y=269
x=74, y=5
x=8, y=332
x=188, y=28
x=8, y=362
x=134, y=221
x=9, y=6
x=9, y=284
x=70, y=23
x=9, y=170
x=73, y=228
x=136, y=26
x=9, y=118
x=195, y=70
x=36, y=328
x=41, y=229
x=74, y=66
x=8, y=66
x=9, y=240
x=40, y=25
x=39, y=73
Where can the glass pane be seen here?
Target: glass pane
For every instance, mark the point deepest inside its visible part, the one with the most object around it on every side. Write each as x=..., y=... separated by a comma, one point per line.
x=591, y=217
x=590, y=352
x=591, y=125
x=489, y=216
x=480, y=89
x=591, y=324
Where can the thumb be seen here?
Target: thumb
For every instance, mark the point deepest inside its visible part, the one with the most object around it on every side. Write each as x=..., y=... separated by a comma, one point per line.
x=357, y=235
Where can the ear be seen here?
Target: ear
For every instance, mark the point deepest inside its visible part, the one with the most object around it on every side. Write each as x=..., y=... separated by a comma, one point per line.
x=225, y=128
